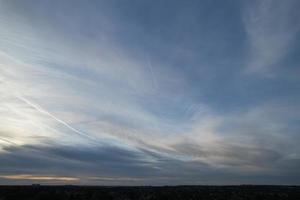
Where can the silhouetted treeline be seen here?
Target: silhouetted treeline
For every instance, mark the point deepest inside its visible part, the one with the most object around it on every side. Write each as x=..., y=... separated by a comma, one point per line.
x=149, y=193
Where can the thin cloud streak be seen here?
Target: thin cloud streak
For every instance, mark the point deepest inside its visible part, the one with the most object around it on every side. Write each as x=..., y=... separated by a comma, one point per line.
x=39, y=178
x=7, y=141
x=38, y=108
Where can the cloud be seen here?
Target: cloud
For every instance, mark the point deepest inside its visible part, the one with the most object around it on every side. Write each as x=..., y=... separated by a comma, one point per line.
x=218, y=144
x=78, y=95
x=39, y=178
x=237, y=144
x=111, y=165
x=228, y=155
x=271, y=27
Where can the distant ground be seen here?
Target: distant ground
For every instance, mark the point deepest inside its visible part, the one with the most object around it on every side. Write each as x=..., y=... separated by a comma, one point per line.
x=143, y=193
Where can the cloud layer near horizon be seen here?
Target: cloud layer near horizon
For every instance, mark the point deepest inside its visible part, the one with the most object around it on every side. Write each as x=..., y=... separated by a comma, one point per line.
x=141, y=92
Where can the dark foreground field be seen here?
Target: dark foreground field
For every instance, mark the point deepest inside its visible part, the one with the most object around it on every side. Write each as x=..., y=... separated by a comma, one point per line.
x=165, y=193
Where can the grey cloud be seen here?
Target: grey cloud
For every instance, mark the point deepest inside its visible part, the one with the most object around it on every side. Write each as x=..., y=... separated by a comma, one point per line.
x=116, y=165
x=61, y=159
x=231, y=155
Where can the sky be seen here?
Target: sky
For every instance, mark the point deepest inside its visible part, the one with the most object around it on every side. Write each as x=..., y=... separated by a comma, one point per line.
x=149, y=92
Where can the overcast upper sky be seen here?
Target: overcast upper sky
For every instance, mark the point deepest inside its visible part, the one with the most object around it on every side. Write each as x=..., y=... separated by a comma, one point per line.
x=149, y=92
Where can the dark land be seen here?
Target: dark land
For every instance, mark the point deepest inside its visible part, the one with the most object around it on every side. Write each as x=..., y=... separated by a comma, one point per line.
x=248, y=192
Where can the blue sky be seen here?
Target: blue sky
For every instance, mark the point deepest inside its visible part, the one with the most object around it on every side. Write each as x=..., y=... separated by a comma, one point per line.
x=149, y=92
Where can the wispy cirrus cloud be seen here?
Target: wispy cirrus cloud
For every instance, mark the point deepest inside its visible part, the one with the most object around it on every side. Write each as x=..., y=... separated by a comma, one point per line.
x=271, y=27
